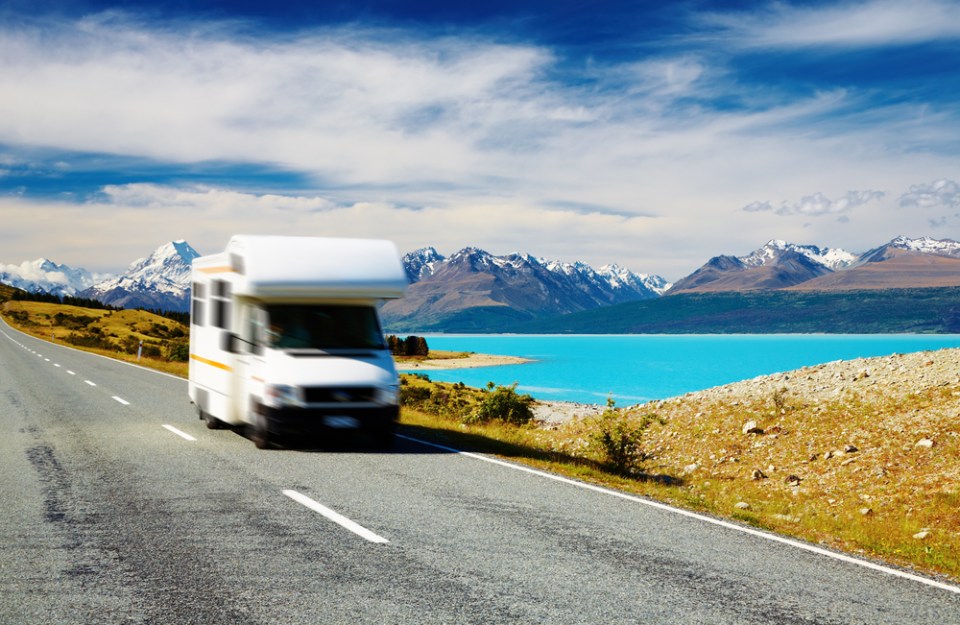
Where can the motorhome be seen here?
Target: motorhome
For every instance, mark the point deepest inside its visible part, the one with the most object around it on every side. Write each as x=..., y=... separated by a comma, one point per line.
x=285, y=337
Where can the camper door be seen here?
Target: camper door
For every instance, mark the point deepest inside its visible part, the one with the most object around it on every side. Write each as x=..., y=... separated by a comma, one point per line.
x=248, y=375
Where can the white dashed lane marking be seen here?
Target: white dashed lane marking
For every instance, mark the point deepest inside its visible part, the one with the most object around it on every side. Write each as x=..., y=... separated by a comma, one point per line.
x=179, y=433
x=336, y=517
x=120, y=400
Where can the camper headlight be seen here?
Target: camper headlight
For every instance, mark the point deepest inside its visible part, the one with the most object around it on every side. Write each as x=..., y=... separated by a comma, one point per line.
x=281, y=396
x=389, y=395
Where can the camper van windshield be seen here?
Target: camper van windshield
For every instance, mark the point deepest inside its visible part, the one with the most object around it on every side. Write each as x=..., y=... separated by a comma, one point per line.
x=314, y=326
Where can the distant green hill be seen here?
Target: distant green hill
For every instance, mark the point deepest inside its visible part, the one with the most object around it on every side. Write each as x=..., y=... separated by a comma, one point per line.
x=927, y=310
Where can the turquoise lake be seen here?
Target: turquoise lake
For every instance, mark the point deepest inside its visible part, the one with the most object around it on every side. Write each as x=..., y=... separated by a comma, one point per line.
x=637, y=368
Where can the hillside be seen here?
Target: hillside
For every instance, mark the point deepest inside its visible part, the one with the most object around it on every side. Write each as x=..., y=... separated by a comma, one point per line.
x=114, y=333
x=769, y=312
x=898, y=271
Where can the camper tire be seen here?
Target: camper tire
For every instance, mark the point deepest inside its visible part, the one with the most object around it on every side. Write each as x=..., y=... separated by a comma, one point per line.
x=211, y=421
x=259, y=433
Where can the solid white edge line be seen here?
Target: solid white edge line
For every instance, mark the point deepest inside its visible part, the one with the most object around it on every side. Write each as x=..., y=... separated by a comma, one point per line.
x=179, y=433
x=120, y=400
x=335, y=517
x=699, y=517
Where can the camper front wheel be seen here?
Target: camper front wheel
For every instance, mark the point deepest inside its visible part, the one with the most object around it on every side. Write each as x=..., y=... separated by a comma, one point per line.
x=211, y=421
x=258, y=431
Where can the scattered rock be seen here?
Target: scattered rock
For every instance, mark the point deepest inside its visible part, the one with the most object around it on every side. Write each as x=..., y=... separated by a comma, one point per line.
x=750, y=427
x=925, y=442
x=866, y=511
x=792, y=480
x=922, y=534
x=690, y=468
x=850, y=449
x=742, y=505
x=758, y=475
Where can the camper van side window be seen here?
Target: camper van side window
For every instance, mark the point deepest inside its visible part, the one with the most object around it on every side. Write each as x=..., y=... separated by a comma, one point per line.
x=221, y=304
x=197, y=312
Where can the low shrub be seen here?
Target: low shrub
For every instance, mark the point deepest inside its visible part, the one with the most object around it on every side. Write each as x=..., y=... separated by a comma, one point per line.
x=503, y=404
x=619, y=439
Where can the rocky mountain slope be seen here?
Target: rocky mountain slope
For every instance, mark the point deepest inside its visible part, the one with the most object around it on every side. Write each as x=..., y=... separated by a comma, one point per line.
x=159, y=281
x=472, y=289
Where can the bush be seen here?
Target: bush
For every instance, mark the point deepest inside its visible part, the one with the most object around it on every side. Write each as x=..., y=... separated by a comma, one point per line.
x=178, y=352
x=504, y=404
x=619, y=439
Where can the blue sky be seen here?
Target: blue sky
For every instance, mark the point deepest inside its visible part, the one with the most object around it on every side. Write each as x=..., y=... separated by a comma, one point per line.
x=652, y=135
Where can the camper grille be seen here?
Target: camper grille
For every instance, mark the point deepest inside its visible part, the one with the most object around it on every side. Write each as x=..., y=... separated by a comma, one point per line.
x=327, y=395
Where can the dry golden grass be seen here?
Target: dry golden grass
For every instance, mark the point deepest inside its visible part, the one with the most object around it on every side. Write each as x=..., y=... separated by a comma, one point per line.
x=848, y=474
x=800, y=477
x=39, y=319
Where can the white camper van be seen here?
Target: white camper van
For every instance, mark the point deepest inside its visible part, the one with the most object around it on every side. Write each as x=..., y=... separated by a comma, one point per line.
x=285, y=337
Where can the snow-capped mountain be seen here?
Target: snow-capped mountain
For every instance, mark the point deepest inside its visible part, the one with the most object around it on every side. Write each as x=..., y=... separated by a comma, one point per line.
x=923, y=245
x=472, y=287
x=832, y=258
x=420, y=263
x=901, y=263
x=45, y=276
x=423, y=263
x=159, y=281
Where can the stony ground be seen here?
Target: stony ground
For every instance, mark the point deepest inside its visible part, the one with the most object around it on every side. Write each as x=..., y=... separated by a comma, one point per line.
x=862, y=455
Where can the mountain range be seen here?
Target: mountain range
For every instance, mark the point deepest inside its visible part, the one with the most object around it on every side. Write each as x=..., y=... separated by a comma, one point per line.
x=473, y=290
x=159, y=281
x=472, y=287
x=901, y=263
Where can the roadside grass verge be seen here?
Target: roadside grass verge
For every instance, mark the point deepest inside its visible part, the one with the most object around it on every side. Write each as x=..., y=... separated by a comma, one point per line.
x=846, y=475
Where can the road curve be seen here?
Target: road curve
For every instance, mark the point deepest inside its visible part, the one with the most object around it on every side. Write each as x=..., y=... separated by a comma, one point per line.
x=119, y=506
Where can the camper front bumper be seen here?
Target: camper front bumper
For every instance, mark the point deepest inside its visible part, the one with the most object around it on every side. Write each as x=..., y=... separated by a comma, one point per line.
x=307, y=421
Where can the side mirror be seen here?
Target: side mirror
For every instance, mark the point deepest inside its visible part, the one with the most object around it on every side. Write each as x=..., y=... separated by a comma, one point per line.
x=228, y=342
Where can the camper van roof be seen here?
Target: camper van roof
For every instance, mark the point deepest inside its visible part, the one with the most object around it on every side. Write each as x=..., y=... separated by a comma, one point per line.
x=316, y=266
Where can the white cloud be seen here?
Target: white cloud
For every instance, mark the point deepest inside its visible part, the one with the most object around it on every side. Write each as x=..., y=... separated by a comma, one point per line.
x=941, y=193
x=841, y=24
x=208, y=217
x=817, y=204
x=757, y=207
x=442, y=141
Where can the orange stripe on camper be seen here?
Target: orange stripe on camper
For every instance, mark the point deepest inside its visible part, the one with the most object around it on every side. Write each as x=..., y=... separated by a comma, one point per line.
x=212, y=363
x=222, y=269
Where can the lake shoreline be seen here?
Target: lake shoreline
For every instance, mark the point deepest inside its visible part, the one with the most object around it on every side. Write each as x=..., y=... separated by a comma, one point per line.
x=469, y=361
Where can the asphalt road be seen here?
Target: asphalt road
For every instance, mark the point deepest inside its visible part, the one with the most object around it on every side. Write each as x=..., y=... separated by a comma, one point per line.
x=119, y=506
